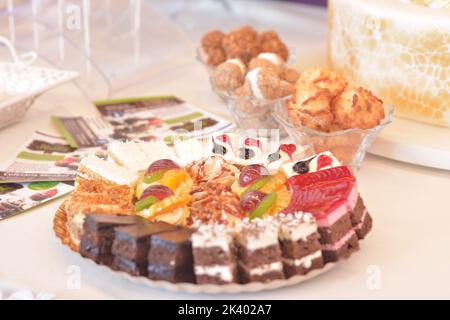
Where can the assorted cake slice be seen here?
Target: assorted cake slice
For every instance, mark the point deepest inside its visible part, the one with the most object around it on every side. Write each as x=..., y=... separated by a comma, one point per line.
x=214, y=255
x=300, y=246
x=259, y=252
x=330, y=195
x=170, y=257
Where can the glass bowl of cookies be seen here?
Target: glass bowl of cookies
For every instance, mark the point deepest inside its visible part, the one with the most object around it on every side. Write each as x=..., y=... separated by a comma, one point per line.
x=327, y=113
x=250, y=72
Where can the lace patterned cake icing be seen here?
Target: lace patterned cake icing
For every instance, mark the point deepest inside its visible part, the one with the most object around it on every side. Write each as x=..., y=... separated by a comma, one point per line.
x=397, y=49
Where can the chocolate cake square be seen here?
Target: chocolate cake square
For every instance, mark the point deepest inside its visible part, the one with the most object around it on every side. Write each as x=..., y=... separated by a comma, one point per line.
x=259, y=253
x=214, y=255
x=300, y=246
x=170, y=256
x=132, y=242
x=98, y=235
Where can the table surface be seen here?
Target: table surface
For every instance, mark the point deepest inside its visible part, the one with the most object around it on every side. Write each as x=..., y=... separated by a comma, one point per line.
x=405, y=256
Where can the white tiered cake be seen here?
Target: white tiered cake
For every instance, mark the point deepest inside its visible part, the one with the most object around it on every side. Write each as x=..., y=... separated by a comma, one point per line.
x=399, y=50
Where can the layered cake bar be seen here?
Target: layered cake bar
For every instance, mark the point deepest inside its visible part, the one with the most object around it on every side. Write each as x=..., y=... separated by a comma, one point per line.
x=214, y=255
x=259, y=253
x=361, y=219
x=300, y=246
x=98, y=235
x=170, y=257
x=132, y=243
x=330, y=195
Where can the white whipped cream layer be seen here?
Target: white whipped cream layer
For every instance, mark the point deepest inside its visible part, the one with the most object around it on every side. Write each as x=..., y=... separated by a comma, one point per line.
x=298, y=228
x=266, y=268
x=265, y=236
x=221, y=271
x=209, y=236
x=305, y=262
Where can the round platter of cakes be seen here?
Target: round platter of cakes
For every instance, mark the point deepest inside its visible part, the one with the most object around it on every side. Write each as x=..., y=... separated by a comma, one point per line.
x=226, y=213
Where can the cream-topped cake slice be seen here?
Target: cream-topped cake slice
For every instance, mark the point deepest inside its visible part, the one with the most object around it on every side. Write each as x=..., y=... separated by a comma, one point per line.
x=93, y=167
x=188, y=150
x=129, y=155
x=156, y=150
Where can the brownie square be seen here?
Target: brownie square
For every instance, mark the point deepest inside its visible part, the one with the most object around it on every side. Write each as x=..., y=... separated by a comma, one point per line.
x=98, y=235
x=132, y=242
x=170, y=257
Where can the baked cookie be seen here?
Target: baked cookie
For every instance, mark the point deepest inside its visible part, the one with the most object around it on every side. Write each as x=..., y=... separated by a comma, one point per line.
x=357, y=107
x=324, y=79
x=310, y=106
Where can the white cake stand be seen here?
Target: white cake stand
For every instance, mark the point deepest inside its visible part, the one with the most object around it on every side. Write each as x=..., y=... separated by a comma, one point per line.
x=415, y=143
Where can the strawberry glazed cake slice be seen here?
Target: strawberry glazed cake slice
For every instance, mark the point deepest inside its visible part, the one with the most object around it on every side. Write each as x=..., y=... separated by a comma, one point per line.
x=331, y=196
x=359, y=216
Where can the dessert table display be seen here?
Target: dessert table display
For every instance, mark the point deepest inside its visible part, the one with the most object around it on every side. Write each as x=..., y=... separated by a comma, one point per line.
x=376, y=271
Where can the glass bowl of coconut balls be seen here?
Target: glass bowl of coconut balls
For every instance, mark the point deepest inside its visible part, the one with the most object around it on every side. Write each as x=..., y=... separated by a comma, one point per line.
x=250, y=72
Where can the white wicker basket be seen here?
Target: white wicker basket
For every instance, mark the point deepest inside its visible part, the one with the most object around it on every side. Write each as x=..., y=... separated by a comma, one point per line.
x=21, y=84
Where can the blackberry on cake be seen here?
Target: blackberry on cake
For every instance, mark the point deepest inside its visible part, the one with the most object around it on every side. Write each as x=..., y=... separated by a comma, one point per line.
x=300, y=246
x=214, y=255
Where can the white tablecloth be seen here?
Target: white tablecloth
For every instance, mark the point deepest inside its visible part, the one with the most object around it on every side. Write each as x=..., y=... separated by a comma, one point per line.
x=405, y=256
